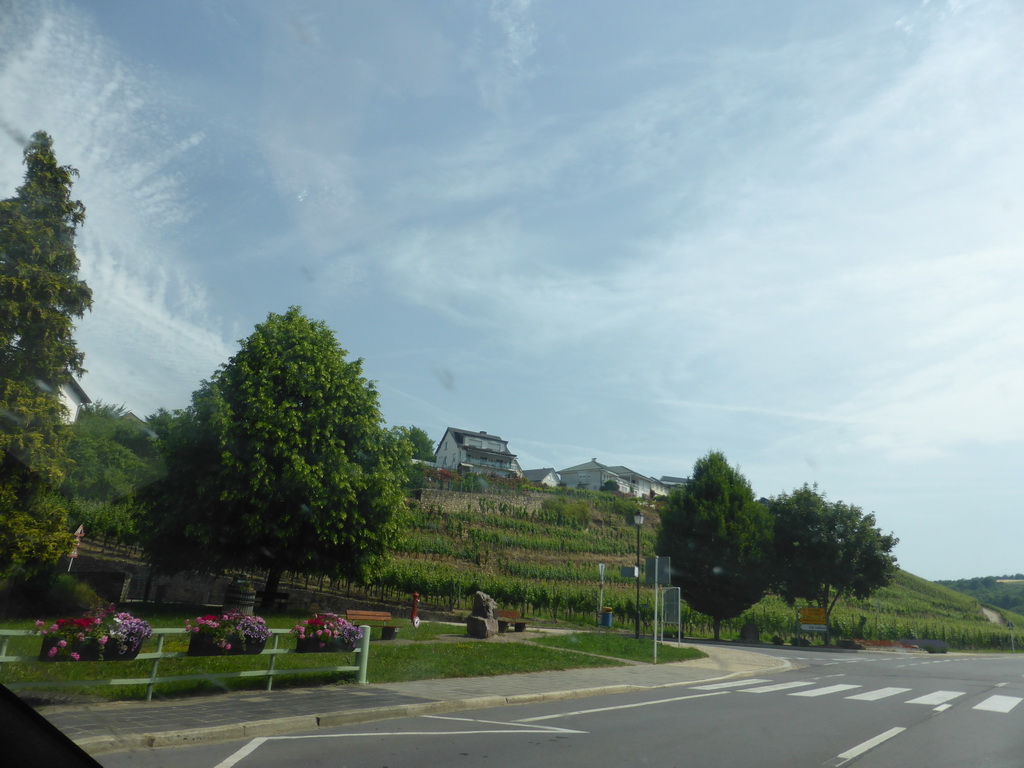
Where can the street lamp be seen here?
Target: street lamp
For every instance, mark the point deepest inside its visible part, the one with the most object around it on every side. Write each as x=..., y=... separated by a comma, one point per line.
x=638, y=521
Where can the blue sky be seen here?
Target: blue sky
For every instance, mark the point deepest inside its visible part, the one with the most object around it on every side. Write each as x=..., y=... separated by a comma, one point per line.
x=636, y=232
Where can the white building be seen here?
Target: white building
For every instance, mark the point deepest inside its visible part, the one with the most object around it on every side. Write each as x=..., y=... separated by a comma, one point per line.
x=465, y=451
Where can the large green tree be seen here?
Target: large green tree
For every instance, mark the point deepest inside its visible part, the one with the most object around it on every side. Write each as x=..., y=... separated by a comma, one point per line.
x=718, y=538
x=40, y=297
x=825, y=550
x=280, y=463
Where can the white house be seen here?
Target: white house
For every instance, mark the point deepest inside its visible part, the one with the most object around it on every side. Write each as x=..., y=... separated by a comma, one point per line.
x=73, y=397
x=641, y=484
x=592, y=475
x=466, y=451
x=545, y=476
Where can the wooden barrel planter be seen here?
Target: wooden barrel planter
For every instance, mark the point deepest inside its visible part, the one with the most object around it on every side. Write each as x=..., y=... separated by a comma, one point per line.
x=240, y=596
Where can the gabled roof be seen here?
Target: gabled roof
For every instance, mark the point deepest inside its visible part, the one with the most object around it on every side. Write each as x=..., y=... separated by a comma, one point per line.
x=592, y=464
x=627, y=471
x=460, y=436
x=539, y=474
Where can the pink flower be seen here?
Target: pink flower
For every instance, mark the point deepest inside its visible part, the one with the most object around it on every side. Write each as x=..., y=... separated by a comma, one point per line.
x=62, y=643
x=103, y=640
x=52, y=652
x=75, y=656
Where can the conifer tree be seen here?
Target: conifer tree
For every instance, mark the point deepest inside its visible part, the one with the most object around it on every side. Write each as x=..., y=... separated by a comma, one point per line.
x=40, y=297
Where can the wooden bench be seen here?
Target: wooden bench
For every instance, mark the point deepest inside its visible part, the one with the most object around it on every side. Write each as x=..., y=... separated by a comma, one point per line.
x=515, y=618
x=280, y=600
x=374, y=618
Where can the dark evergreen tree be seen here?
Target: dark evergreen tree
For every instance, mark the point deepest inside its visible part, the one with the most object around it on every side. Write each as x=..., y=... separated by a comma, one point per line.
x=718, y=538
x=40, y=298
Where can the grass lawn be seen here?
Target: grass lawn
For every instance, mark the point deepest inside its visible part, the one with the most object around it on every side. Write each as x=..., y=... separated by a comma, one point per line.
x=421, y=660
x=621, y=647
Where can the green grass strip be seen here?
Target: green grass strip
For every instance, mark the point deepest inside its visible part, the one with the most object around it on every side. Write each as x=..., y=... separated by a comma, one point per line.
x=621, y=647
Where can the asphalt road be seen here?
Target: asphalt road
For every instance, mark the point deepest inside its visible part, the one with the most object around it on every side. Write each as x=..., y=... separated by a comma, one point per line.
x=863, y=709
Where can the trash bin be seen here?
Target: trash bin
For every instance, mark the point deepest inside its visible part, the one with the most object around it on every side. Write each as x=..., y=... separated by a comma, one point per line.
x=606, y=619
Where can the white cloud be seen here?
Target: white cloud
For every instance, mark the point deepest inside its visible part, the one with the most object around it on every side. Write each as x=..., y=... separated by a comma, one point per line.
x=148, y=340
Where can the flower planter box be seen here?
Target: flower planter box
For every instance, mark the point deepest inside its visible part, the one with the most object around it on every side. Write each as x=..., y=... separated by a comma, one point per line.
x=87, y=650
x=315, y=645
x=203, y=645
x=112, y=652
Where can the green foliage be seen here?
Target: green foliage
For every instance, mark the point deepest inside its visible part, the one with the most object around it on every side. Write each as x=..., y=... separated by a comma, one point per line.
x=280, y=463
x=422, y=445
x=1000, y=591
x=718, y=538
x=826, y=550
x=40, y=295
x=620, y=646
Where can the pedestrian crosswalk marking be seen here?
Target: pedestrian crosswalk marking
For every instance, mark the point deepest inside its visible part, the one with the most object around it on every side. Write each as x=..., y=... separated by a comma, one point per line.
x=936, y=697
x=881, y=693
x=827, y=690
x=779, y=687
x=998, y=704
x=731, y=684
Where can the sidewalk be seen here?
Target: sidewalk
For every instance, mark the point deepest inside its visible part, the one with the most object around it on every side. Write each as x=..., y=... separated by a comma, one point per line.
x=99, y=728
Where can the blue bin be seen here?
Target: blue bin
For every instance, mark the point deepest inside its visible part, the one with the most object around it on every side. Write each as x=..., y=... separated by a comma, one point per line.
x=606, y=619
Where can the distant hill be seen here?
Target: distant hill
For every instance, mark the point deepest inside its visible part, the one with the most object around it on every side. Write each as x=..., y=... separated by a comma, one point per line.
x=1005, y=592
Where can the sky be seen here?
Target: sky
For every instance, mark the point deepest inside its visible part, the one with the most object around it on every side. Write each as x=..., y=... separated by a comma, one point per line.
x=635, y=232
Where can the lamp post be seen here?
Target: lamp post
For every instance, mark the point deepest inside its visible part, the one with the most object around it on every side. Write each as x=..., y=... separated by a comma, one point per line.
x=638, y=521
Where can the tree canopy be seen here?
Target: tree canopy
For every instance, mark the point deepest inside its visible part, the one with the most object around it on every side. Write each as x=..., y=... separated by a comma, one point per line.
x=824, y=550
x=280, y=463
x=422, y=445
x=718, y=538
x=40, y=297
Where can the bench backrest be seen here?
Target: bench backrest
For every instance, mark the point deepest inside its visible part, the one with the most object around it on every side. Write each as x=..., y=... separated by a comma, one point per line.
x=368, y=615
x=509, y=615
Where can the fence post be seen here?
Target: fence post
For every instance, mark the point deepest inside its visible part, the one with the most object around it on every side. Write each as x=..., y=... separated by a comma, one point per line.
x=273, y=663
x=155, y=668
x=364, y=654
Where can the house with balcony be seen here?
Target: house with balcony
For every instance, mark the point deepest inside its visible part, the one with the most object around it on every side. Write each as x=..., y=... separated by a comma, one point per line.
x=641, y=484
x=463, y=450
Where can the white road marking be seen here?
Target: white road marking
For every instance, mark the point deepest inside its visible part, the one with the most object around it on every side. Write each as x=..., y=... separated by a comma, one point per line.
x=731, y=684
x=863, y=747
x=936, y=697
x=881, y=693
x=826, y=690
x=552, y=728
x=773, y=688
x=998, y=704
x=620, y=706
x=245, y=751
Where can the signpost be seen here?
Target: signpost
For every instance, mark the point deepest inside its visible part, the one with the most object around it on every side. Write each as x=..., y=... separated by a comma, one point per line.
x=812, y=619
x=73, y=554
x=600, y=599
x=658, y=571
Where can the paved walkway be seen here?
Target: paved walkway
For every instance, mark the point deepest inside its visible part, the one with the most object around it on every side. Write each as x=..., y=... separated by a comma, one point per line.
x=119, y=726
